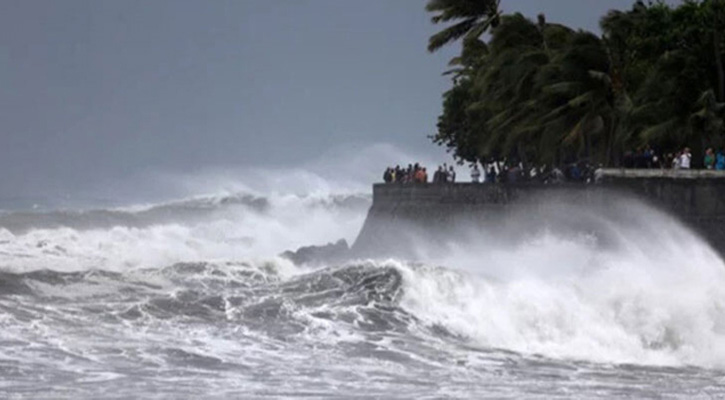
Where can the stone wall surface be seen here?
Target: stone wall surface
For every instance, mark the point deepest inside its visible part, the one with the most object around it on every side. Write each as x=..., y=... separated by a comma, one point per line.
x=696, y=198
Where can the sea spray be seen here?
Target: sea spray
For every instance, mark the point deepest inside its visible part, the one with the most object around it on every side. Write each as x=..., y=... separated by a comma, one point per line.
x=584, y=304
x=199, y=229
x=653, y=294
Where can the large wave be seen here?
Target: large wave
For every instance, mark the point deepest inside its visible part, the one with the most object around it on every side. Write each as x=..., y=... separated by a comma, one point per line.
x=625, y=284
x=224, y=227
x=629, y=285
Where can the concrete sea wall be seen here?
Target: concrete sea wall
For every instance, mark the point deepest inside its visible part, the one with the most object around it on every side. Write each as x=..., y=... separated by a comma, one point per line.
x=696, y=198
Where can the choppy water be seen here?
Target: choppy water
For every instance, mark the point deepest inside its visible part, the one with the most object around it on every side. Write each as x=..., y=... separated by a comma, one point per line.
x=189, y=300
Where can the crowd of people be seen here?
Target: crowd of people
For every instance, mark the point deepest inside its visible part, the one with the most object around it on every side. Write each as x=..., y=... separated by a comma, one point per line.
x=493, y=172
x=647, y=158
x=505, y=172
x=418, y=174
x=496, y=171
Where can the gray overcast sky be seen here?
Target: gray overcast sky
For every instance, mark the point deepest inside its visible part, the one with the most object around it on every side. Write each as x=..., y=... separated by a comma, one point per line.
x=92, y=91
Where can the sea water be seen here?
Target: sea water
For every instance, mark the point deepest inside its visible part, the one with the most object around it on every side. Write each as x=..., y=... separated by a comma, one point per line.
x=189, y=299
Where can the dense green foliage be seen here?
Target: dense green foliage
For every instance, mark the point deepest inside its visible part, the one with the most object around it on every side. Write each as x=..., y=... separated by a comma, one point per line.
x=546, y=94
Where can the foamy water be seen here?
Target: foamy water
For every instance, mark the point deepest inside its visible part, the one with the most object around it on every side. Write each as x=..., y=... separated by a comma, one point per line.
x=189, y=299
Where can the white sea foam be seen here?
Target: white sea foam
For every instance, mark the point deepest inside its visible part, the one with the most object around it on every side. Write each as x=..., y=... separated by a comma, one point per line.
x=309, y=205
x=652, y=293
x=655, y=296
x=234, y=233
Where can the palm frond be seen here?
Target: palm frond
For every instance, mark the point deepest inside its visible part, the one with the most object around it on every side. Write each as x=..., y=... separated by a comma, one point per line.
x=450, y=34
x=663, y=130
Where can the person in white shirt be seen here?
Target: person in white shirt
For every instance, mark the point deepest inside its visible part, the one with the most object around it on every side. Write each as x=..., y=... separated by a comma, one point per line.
x=685, y=158
x=475, y=174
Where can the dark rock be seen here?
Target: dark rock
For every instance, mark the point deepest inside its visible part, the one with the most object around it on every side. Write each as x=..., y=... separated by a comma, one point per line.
x=331, y=252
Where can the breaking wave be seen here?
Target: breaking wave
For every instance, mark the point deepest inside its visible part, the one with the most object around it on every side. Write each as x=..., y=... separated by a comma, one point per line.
x=231, y=227
x=196, y=285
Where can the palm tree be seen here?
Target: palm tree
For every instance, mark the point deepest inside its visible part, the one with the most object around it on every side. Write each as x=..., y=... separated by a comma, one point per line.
x=579, y=93
x=709, y=119
x=544, y=93
x=505, y=88
x=538, y=93
x=472, y=18
x=473, y=54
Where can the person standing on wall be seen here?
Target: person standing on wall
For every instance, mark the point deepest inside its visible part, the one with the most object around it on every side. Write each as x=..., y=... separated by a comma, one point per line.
x=475, y=174
x=388, y=175
x=720, y=160
x=685, y=158
x=709, y=160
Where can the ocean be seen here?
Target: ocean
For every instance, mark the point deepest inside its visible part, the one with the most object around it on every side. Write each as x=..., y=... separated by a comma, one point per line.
x=190, y=299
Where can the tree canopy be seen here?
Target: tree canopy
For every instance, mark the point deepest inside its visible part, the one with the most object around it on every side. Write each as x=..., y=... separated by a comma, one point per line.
x=546, y=94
